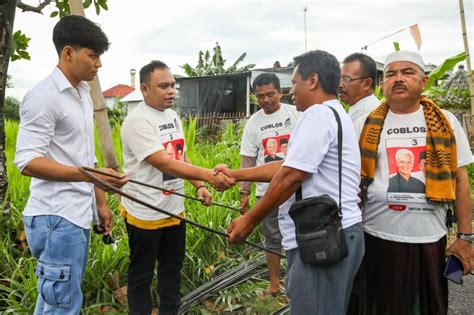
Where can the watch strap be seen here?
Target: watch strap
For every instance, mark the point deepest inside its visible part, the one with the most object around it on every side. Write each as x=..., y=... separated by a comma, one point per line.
x=465, y=236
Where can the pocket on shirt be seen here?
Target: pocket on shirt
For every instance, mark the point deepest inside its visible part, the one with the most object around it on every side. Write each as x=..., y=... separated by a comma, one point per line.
x=54, y=283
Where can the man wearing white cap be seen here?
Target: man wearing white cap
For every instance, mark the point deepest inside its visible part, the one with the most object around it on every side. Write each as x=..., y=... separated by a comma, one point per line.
x=405, y=233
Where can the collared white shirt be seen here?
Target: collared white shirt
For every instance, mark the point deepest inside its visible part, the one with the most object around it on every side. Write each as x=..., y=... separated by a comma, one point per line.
x=363, y=106
x=56, y=122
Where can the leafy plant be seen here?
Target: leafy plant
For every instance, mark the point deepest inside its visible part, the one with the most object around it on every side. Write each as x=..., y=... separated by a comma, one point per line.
x=63, y=8
x=446, y=66
x=19, y=46
x=215, y=64
x=207, y=255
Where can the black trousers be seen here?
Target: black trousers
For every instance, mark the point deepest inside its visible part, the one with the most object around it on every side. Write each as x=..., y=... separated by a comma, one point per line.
x=165, y=246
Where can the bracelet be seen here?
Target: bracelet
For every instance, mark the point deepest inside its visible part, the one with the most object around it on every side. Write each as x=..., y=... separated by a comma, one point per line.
x=199, y=187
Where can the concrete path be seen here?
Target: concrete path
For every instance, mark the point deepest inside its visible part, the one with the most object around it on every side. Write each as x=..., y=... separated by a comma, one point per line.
x=461, y=297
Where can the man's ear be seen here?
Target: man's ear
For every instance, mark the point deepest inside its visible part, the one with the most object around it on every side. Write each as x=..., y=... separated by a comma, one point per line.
x=67, y=53
x=368, y=83
x=425, y=81
x=144, y=88
x=313, y=81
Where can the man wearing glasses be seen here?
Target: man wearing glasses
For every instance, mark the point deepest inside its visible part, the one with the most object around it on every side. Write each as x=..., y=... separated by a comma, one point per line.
x=263, y=133
x=357, y=84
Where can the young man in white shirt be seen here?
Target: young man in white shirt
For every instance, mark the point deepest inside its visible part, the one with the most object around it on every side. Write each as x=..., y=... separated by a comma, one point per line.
x=55, y=138
x=265, y=139
x=152, y=137
x=358, y=80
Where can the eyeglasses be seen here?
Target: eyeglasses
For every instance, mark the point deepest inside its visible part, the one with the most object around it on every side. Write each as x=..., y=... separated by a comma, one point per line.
x=347, y=80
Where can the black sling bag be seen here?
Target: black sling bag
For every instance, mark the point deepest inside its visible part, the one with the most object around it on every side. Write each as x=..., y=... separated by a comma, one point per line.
x=319, y=234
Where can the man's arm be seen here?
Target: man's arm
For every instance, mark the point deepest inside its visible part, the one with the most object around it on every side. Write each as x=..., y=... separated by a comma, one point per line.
x=262, y=173
x=160, y=160
x=284, y=184
x=246, y=162
x=201, y=190
x=462, y=211
x=47, y=169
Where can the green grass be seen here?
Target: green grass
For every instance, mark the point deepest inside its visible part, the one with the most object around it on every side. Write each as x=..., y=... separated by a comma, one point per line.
x=207, y=254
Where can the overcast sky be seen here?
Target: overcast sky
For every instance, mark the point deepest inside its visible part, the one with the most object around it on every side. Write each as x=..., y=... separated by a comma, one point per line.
x=267, y=30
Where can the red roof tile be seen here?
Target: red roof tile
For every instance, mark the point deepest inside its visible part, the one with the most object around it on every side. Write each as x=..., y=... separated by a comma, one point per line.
x=120, y=90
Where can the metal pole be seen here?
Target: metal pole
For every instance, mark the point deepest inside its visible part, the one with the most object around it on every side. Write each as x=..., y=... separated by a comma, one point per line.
x=247, y=103
x=468, y=65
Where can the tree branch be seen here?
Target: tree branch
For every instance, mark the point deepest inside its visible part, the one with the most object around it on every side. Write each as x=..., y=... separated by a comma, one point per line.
x=25, y=7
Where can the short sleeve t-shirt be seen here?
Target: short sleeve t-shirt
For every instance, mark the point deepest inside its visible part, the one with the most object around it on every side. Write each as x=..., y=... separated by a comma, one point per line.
x=396, y=208
x=266, y=137
x=145, y=131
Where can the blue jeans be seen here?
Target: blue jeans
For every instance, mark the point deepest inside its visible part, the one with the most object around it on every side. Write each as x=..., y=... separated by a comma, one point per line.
x=61, y=249
x=325, y=289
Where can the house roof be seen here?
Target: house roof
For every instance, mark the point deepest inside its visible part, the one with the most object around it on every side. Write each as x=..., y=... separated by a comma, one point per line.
x=120, y=90
x=458, y=80
x=223, y=75
x=135, y=96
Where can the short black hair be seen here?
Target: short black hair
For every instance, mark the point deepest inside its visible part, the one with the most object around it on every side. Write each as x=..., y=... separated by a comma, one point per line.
x=283, y=141
x=367, y=65
x=79, y=32
x=422, y=156
x=266, y=78
x=322, y=63
x=146, y=70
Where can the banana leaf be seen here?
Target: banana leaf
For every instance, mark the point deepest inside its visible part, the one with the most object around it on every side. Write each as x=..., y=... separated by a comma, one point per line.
x=447, y=65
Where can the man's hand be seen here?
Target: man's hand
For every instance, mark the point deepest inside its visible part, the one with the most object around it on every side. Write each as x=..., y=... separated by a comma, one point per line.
x=220, y=181
x=244, y=203
x=224, y=169
x=106, y=218
x=462, y=250
x=118, y=180
x=204, y=195
x=240, y=228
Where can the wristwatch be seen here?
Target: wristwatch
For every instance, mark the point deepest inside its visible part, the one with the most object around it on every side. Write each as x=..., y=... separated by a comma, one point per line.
x=466, y=236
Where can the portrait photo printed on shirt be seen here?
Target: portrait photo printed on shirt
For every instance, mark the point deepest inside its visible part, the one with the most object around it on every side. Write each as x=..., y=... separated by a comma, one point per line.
x=174, y=150
x=275, y=144
x=406, y=166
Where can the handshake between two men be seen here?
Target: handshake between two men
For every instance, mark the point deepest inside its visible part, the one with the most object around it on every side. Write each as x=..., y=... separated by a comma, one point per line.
x=223, y=178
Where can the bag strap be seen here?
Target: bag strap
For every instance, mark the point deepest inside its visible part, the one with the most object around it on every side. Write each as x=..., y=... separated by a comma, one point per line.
x=299, y=193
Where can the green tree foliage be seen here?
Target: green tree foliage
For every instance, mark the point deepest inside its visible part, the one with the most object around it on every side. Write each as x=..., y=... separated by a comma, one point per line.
x=446, y=66
x=215, y=64
x=11, y=110
x=19, y=45
x=117, y=113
